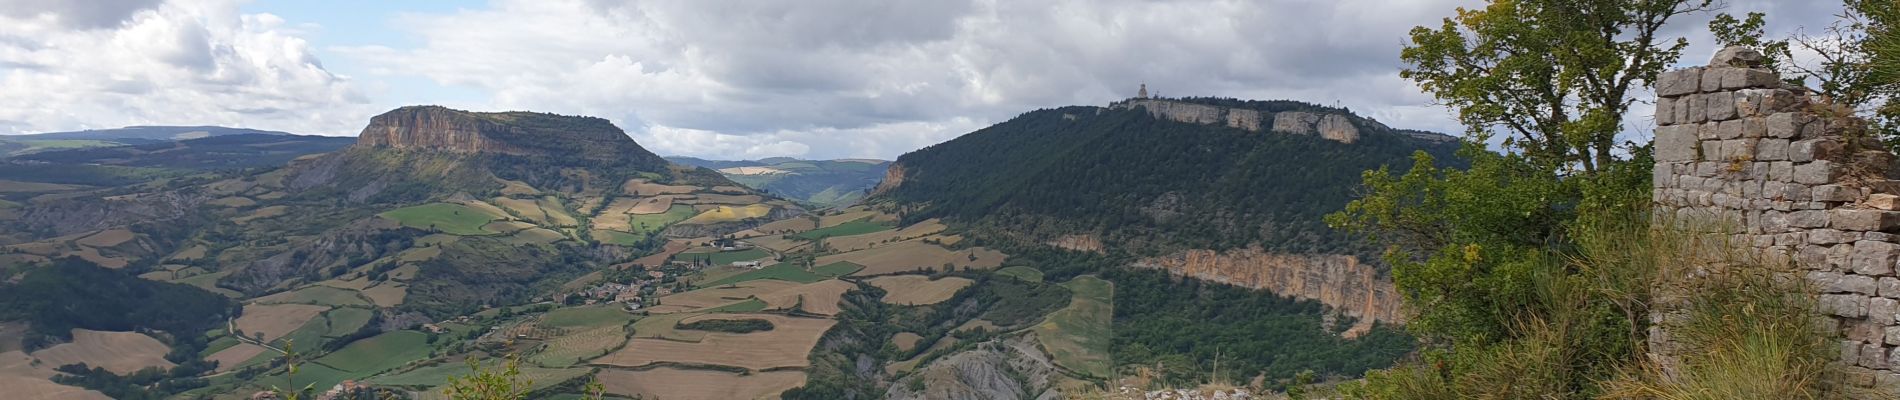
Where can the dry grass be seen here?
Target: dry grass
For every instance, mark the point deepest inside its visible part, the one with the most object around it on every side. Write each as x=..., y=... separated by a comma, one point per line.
x=230, y=358
x=573, y=348
x=912, y=255
x=695, y=384
x=557, y=214
x=820, y=297
x=643, y=188
x=276, y=320
x=788, y=344
x=882, y=238
x=233, y=202
x=672, y=247
x=261, y=213
x=516, y=188
x=652, y=205
x=615, y=216
x=506, y=226
x=661, y=327
x=905, y=341
x=778, y=243
x=711, y=198
x=190, y=253
x=724, y=213
x=536, y=236
x=719, y=296
x=388, y=294
x=7, y=186
x=120, y=352
x=525, y=208
x=915, y=290
x=780, y=227
x=835, y=219
x=92, y=255
x=107, y=238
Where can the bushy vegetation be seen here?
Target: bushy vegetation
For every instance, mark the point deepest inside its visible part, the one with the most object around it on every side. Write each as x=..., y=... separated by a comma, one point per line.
x=728, y=325
x=72, y=293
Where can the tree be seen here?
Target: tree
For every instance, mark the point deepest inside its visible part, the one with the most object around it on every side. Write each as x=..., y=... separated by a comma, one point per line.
x=503, y=382
x=1555, y=76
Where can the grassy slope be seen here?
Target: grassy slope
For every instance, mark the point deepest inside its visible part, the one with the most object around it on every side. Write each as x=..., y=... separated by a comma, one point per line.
x=448, y=218
x=1078, y=335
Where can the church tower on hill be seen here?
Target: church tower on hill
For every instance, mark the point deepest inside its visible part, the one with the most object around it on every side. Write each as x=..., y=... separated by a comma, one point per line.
x=1143, y=94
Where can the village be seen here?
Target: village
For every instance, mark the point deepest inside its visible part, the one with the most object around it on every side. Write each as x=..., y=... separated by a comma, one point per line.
x=637, y=286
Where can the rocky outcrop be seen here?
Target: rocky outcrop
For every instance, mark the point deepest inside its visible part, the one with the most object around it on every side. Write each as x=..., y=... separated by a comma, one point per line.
x=1332, y=127
x=1338, y=281
x=1088, y=243
x=344, y=247
x=989, y=371
x=69, y=216
x=893, y=177
x=440, y=129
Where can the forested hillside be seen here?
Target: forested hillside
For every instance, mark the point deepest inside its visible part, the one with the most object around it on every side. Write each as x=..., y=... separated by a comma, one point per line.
x=1130, y=178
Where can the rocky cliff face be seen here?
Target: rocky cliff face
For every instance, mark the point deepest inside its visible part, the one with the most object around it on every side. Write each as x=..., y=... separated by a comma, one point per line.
x=1006, y=368
x=440, y=129
x=1332, y=127
x=1339, y=282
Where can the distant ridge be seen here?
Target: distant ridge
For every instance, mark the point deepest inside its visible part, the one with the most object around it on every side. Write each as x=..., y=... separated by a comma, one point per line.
x=145, y=132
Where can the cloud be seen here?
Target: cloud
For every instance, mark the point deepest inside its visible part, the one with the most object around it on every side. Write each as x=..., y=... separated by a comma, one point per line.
x=76, y=65
x=726, y=78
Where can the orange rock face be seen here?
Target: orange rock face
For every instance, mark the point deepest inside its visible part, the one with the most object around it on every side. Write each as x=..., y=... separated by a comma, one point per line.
x=1338, y=281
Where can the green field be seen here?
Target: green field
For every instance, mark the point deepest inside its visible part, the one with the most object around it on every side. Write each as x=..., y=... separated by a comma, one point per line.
x=455, y=219
x=585, y=317
x=729, y=257
x=750, y=305
x=346, y=320
x=379, y=353
x=617, y=237
x=307, y=337
x=219, y=344
x=858, y=227
x=308, y=373
x=1027, y=274
x=646, y=224
x=1078, y=335
x=317, y=294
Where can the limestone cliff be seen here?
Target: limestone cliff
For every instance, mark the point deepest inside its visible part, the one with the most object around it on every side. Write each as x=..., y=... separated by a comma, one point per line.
x=1340, y=282
x=440, y=129
x=1334, y=127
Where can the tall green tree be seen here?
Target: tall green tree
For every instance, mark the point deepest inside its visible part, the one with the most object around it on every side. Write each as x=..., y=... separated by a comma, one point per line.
x=1556, y=79
x=1554, y=76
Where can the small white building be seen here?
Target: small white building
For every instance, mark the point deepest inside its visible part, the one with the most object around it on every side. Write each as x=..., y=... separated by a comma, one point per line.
x=748, y=264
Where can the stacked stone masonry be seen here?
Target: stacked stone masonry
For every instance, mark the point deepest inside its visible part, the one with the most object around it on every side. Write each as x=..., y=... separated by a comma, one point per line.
x=1737, y=148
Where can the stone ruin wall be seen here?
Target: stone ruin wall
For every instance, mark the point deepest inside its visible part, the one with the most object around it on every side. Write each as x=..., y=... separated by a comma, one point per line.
x=1737, y=147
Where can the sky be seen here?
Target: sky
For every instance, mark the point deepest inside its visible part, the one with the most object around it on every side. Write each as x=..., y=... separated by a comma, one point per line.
x=716, y=78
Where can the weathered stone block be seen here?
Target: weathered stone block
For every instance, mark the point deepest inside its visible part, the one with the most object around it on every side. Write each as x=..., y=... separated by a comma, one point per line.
x=1815, y=172
x=1787, y=125
x=1874, y=258
x=1721, y=106
x=1679, y=82
x=1880, y=311
x=1738, y=149
x=1861, y=284
x=1893, y=335
x=1737, y=57
x=1749, y=78
x=1782, y=171
x=1833, y=236
x=1665, y=111
x=1882, y=201
x=1864, y=220
x=1812, y=149
x=1888, y=287
x=1873, y=355
x=1676, y=143
x=1807, y=218
x=1698, y=107
x=1712, y=78
x=1850, y=352
x=1835, y=193
x=1845, y=305
x=1712, y=151
x=1731, y=129
x=1754, y=127
x=1771, y=150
